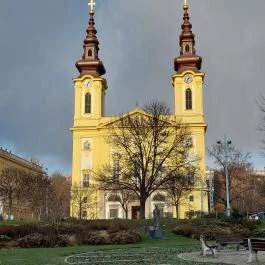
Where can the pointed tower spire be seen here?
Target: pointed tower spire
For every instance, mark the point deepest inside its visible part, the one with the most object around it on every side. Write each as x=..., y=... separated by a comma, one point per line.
x=90, y=63
x=188, y=58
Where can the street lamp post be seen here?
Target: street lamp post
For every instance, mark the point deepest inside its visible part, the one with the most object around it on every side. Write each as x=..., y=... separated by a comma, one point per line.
x=225, y=145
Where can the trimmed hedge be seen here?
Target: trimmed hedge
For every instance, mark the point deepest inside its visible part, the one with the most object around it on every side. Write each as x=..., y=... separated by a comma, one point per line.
x=210, y=231
x=67, y=234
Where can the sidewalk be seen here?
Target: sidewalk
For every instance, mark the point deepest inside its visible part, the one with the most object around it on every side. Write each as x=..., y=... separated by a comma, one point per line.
x=224, y=257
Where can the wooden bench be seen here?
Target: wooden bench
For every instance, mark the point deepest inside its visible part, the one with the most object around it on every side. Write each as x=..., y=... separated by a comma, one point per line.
x=207, y=247
x=224, y=240
x=254, y=245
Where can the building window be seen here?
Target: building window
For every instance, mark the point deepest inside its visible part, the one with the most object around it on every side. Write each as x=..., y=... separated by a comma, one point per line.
x=136, y=169
x=191, y=179
x=87, y=145
x=187, y=48
x=113, y=213
x=84, y=214
x=88, y=103
x=191, y=198
x=89, y=53
x=86, y=181
x=116, y=169
x=188, y=99
x=189, y=142
x=190, y=214
x=85, y=200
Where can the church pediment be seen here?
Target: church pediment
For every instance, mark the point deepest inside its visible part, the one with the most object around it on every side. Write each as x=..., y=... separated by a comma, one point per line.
x=136, y=112
x=133, y=115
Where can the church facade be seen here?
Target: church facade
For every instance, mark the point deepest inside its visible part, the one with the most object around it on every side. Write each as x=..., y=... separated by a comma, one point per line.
x=91, y=150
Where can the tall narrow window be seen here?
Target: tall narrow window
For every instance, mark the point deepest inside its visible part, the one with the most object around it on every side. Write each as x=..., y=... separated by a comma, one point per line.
x=137, y=168
x=188, y=99
x=85, y=200
x=187, y=48
x=88, y=103
x=89, y=53
x=86, y=180
x=84, y=214
x=116, y=169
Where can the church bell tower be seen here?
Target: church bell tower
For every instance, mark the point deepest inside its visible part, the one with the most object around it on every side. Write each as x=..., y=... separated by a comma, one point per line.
x=89, y=86
x=89, y=111
x=187, y=84
x=188, y=79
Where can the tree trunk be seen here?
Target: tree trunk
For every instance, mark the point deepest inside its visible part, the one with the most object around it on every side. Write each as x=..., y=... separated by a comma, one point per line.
x=126, y=213
x=39, y=214
x=80, y=210
x=177, y=210
x=142, y=208
x=10, y=204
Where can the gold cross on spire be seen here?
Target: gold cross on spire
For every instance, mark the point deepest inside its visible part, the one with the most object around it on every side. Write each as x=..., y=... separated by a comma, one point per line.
x=92, y=4
x=185, y=2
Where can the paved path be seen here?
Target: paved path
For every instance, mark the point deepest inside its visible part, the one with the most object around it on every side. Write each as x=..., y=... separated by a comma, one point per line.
x=223, y=257
x=142, y=256
x=159, y=256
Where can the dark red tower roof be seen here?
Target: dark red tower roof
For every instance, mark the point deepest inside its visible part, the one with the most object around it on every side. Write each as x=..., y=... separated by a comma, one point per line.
x=188, y=59
x=90, y=62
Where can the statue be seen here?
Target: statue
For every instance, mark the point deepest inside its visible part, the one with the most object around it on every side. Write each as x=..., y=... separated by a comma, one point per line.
x=156, y=218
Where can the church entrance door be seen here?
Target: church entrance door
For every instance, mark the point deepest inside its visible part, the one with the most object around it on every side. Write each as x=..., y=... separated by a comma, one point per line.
x=135, y=212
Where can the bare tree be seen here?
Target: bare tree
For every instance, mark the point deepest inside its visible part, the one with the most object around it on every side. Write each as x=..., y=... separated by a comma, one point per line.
x=60, y=199
x=181, y=185
x=122, y=196
x=11, y=185
x=239, y=170
x=83, y=202
x=153, y=147
x=37, y=188
x=45, y=197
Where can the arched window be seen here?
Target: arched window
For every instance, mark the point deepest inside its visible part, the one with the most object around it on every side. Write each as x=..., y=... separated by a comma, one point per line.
x=159, y=197
x=88, y=103
x=188, y=99
x=89, y=53
x=187, y=48
x=114, y=198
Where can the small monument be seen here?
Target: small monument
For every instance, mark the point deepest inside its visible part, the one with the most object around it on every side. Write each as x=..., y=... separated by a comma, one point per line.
x=156, y=223
x=156, y=217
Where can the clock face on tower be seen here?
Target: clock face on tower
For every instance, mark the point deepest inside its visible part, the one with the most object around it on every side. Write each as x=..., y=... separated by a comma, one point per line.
x=188, y=78
x=88, y=83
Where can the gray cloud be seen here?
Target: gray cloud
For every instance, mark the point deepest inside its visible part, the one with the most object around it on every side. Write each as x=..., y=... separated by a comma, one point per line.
x=41, y=40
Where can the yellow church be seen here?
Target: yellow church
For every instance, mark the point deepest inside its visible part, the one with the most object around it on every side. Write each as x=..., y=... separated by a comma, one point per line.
x=91, y=150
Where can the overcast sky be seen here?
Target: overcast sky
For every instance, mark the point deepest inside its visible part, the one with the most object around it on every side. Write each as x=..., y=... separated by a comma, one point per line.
x=40, y=41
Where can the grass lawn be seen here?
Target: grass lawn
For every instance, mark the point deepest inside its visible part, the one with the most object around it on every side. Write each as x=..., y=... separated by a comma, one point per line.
x=148, y=252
